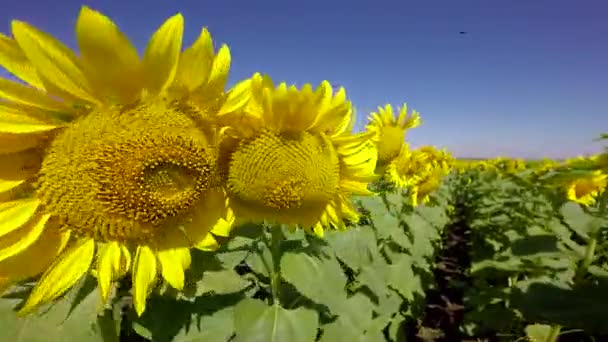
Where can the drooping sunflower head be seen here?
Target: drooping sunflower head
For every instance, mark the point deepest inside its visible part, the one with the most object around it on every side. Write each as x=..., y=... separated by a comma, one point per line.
x=108, y=160
x=420, y=171
x=586, y=189
x=389, y=132
x=290, y=157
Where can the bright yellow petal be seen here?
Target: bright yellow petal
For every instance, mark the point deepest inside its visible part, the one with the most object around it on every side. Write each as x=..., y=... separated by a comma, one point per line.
x=236, y=98
x=172, y=263
x=110, y=61
x=25, y=95
x=144, y=275
x=208, y=243
x=8, y=185
x=35, y=259
x=67, y=269
x=112, y=263
x=15, y=243
x=195, y=62
x=54, y=62
x=16, y=213
x=15, y=61
x=219, y=71
x=162, y=55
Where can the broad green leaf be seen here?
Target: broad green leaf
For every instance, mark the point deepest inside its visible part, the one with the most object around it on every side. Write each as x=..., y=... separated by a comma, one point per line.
x=582, y=306
x=538, y=332
x=579, y=221
x=318, y=277
x=260, y=259
x=221, y=282
x=400, y=276
x=356, y=247
x=255, y=321
x=208, y=318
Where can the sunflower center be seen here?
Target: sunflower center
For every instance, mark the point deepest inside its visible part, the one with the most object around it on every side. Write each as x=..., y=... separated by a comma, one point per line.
x=122, y=174
x=390, y=143
x=285, y=172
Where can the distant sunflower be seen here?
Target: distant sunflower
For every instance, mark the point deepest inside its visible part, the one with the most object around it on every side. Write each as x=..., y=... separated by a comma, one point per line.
x=407, y=168
x=290, y=157
x=586, y=189
x=108, y=161
x=389, y=132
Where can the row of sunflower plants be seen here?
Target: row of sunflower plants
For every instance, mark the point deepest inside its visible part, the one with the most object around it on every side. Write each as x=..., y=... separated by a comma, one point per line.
x=539, y=270
x=269, y=283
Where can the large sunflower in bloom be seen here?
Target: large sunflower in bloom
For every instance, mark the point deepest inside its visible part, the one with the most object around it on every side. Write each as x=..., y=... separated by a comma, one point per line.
x=108, y=161
x=389, y=132
x=290, y=156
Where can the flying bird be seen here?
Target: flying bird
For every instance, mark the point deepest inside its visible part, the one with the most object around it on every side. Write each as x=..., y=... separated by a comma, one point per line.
x=463, y=32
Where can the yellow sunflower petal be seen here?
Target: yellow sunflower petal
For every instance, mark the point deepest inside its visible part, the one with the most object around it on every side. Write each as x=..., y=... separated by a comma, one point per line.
x=162, y=55
x=10, y=122
x=12, y=244
x=34, y=259
x=16, y=213
x=15, y=61
x=208, y=243
x=7, y=185
x=65, y=271
x=195, y=62
x=219, y=71
x=110, y=61
x=113, y=262
x=144, y=275
x=25, y=95
x=172, y=262
x=236, y=98
x=53, y=61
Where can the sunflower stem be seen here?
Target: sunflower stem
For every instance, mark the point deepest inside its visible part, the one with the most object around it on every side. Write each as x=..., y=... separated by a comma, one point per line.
x=275, y=277
x=589, y=254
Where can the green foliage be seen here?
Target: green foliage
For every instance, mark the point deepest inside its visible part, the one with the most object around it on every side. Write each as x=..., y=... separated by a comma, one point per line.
x=267, y=283
x=535, y=258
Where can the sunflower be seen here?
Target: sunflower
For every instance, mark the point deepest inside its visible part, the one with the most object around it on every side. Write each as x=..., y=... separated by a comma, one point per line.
x=420, y=171
x=389, y=133
x=108, y=160
x=586, y=189
x=290, y=157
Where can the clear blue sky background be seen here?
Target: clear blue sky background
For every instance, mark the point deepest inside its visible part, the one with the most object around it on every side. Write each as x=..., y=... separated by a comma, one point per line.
x=530, y=79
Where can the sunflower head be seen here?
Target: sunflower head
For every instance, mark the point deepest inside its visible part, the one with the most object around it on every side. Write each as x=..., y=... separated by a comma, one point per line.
x=113, y=157
x=586, y=189
x=389, y=132
x=295, y=160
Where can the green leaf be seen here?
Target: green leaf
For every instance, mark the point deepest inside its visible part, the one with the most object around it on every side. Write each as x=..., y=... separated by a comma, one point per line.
x=208, y=318
x=582, y=306
x=234, y=251
x=318, y=277
x=260, y=259
x=400, y=276
x=71, y=318
x=257, y=322
x=356, y=247
x=538, y=332
x=221, y=282
x=579, y=221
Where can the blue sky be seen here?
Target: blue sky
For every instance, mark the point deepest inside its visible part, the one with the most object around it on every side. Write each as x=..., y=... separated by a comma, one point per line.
x=530, y=79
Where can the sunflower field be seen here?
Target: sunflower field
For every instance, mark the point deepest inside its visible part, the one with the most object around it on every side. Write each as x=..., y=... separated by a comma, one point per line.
x=142, y=200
